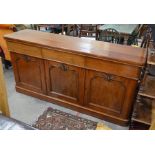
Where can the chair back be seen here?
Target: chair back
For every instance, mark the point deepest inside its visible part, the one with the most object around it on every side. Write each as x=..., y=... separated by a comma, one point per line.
x=4, y=108
x=110, y=35
x=146, y=38
x=88, y=30
x=72, y=30
x=141, y=30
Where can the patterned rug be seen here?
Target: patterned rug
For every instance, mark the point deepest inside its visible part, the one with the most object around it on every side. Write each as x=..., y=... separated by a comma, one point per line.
x=53, y=119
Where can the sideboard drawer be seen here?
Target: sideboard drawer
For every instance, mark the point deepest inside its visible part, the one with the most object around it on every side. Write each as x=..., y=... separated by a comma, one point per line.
x=115, y=68
x=24, y=49
x=61, y=56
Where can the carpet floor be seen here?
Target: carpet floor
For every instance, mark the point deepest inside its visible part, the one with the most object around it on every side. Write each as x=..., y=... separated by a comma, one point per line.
x=53, y=119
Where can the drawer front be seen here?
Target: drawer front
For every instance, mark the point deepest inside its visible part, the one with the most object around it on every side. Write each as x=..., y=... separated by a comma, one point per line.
x=61, y=56
x=115, y=68
x=24, y=49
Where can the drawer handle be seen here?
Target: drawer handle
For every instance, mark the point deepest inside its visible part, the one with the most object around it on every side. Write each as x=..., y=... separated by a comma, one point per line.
x=17, y=59
x=26, y=58
x=63, y=67
x=108, y=77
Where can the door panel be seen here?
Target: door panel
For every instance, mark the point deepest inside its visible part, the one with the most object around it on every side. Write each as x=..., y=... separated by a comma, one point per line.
x=65, y=82
x=105, y=92
x=29, y=72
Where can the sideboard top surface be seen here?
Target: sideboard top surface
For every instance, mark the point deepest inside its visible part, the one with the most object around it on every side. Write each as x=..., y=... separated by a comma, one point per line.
x=84, y=46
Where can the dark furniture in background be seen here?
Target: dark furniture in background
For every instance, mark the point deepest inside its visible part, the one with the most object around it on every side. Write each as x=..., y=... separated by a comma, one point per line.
x=142, y=117
x=140, y=36
x=52, y=28
x=88, y=30
x=142, y=114
x=125, y=30
x=110, y=35
x=71, y=29
x=147, y=36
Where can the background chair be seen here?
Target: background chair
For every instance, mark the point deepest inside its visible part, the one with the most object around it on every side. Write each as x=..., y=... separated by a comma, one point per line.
x=88, y=30
x=146, y=38
x=110, y=35
x=51, y=28
x=137, y=35
x=4, y=108
x=72, y=30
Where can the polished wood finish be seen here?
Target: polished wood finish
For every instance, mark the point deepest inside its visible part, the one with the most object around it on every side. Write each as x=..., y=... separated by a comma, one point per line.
x=4, y=107
x=81, y=46
x=29, y=72
x=106, y=66
x=92, y=77
x=25, y=49
x=65, y=82
x=109, y=93
x=61, y=56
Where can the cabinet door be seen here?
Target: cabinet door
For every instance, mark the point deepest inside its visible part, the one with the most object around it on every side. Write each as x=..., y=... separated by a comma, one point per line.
x=108, y=93
x=29, y=72
x=65, y=82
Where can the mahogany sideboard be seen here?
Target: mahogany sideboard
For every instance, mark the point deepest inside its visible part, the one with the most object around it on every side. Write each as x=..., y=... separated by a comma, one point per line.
x=92, y=77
